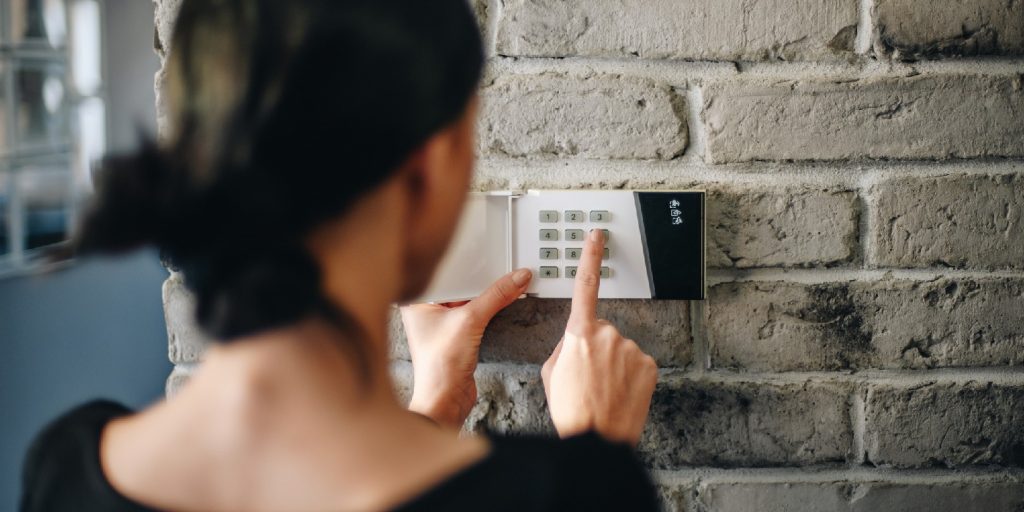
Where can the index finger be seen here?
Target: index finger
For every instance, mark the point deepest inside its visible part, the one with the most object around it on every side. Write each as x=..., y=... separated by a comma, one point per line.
x=588, y=280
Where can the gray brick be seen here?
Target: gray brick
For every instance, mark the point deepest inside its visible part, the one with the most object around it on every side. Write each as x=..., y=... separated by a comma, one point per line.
x=528, y=330
x=699, y=423
x=781, y=226
x=666, y=29
x=186, y=341
x=949, y=424
x=890, y=118
x=910, y=29
x=674, y=496
x=778, y=326
x=179, y=376
x=596, y=116
x=964, y=221
x=510, y=398
x=165, y=14
x=862, y=497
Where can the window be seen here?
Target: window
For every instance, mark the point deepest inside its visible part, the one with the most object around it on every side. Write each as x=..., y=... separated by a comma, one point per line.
x=52, y=121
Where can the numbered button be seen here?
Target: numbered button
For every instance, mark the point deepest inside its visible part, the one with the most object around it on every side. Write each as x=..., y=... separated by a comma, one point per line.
x=599, y=216
x=570, y=272
x=606, y=255
x=573, y=253
x=573, y=216
x=573, y=235
x=548, y=272
x=607, y=235
x=548, y=216
x=548, y=253
x=549, y=235
x=606, y=272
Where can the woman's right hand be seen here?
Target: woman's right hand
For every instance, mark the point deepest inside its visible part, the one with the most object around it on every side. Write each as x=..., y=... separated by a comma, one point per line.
x=596, y=379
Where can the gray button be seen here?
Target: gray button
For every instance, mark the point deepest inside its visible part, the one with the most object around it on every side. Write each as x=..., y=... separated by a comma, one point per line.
x=607, y=234
x=548, y=272
x=573, y=253
x=573, y=216
x=606, y=272
x=599, y=216
x=548, y=253
x=607, y=254
x=570, y=272
x=548, y=216
x=573, y=235
x=549, y=235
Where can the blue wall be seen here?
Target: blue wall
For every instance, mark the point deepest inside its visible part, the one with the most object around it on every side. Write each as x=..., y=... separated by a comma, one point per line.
x=95, y=329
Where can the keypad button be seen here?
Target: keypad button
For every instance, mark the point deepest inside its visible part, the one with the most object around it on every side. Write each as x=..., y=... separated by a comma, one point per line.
x=573, y=253
x=573, y=235
x=599, y=216
x=548, y=272
x=607, y=234
x=606, y=272
x=548, y=253
x=570, y=272
x=548, y=216
x=606, y=255
x=573, y=216
x=549, y=235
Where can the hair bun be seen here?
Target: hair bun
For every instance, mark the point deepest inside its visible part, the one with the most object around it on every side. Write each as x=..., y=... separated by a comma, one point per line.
x=134, y=194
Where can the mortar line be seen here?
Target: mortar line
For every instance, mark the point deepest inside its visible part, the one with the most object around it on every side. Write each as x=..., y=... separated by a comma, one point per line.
x=811, y=474
x=701, y=351
x=494, y=11
x=858, y=420
x=682, y=72
x=639, y=173
x=695, y=123
x=830, y=275
x=1011, y=376
x=865, y=27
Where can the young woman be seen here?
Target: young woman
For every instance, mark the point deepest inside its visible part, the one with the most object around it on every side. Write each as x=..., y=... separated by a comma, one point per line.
x=318, y=158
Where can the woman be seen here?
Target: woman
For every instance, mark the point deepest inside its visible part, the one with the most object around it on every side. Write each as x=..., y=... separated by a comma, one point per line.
x=316, y=165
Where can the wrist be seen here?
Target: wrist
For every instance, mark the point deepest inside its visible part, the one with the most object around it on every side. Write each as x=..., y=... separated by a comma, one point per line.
x=443, y=412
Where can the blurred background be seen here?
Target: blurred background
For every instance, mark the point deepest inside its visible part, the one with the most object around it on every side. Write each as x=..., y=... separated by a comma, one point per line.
x=76, y=81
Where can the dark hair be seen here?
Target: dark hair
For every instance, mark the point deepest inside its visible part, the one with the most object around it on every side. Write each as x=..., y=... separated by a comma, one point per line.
x=281, y=114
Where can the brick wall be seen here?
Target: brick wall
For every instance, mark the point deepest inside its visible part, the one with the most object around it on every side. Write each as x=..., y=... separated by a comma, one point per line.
x=862, y=343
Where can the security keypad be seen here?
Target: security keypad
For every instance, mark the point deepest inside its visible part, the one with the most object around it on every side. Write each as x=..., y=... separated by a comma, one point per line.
x=654, y=243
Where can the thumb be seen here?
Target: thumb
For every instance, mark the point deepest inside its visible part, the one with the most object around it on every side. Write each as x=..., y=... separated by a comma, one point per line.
x=503, y=292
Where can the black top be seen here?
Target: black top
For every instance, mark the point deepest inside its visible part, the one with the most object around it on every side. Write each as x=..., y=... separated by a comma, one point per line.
x=62, y=472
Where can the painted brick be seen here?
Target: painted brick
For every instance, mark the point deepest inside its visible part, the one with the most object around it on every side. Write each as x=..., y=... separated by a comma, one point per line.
x=186, y=341
x=949, y=424
x=891, y=118
x=665, y=29
x=862, y=497
x=510, y=398
x=781, y=226
x=965, y=221
x=698, y=423
x=909, y=29
x=597, y=116
x=528, y=330
x=179, y=376
x=780, y=326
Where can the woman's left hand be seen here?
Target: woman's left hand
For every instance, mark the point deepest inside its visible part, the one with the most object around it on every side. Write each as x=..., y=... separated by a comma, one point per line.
x=444, y=344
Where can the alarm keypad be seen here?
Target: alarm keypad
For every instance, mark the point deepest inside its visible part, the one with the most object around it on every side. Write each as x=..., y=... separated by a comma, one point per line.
x=573, y=233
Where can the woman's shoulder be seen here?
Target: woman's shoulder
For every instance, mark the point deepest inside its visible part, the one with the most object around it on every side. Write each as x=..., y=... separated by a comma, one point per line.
x=62, y=468
x=584, y=472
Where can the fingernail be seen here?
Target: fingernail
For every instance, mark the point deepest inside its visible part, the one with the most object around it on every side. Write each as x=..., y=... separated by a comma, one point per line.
x=522, y=276
x=595, y=235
